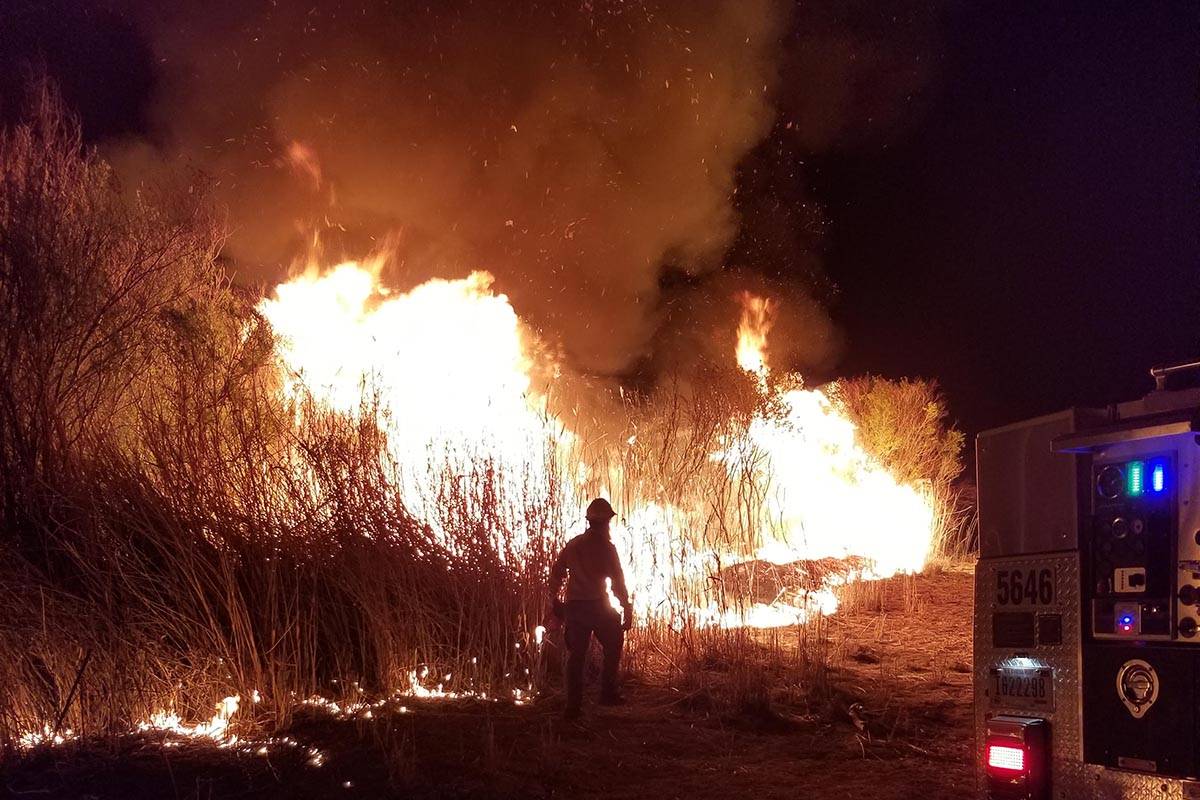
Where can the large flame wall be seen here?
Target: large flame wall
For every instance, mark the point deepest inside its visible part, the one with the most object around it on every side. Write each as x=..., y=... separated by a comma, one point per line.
x=449, y=363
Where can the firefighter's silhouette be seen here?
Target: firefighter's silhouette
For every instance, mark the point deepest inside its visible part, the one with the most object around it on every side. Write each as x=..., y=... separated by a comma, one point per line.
x=589, y=564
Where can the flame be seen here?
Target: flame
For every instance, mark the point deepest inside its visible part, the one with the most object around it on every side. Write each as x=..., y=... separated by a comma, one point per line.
x=451, y=361
x=752, y=333
x=449, y=356
x=825, y=497
x=830, y=499
x=216, y=728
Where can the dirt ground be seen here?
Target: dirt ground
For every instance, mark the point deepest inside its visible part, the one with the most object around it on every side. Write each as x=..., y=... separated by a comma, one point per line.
x=891, y=719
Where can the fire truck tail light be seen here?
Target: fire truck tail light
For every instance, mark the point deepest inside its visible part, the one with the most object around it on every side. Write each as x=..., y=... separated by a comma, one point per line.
x=1017, y=758
x=1006, y=757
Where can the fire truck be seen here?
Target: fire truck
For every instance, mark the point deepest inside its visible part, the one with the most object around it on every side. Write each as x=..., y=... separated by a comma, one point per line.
x=1087, y=602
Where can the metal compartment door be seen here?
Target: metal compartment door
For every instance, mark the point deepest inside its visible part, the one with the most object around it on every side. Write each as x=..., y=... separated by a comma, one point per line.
x=1139, y=708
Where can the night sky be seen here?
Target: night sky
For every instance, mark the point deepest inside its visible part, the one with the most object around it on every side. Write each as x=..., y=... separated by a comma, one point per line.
x=1032, y=241
x=1027, y=235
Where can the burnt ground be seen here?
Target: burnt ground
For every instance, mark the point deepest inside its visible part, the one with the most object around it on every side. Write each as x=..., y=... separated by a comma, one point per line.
x=890, y=717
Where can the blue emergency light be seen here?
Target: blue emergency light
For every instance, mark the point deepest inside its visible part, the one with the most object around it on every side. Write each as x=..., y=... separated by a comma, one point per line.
x=1158, y=478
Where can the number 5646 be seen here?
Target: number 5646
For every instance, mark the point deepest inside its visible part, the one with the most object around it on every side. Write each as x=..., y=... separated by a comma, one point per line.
x=1019, y=586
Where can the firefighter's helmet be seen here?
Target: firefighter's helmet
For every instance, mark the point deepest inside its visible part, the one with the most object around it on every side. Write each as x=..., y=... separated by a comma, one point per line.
x=599, y=510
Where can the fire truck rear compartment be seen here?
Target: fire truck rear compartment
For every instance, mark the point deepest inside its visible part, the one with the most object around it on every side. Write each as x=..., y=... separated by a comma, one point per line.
x=1086, y=595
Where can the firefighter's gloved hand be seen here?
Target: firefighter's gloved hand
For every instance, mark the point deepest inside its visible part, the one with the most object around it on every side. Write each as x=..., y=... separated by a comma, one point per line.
x=627, y=622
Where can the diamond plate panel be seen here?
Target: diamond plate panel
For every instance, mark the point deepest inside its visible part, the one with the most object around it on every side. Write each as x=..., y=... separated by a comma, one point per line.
x=1072, y=779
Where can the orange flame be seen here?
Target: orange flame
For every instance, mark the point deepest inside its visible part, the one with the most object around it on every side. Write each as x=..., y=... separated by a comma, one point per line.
x=452, y=360
x=825, y=496
x=752, y=333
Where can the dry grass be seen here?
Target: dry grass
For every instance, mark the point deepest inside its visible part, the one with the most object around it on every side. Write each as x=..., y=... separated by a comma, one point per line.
x=886, y=725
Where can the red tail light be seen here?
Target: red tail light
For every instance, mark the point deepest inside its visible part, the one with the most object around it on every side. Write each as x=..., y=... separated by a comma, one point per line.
x=1002, y=756
x=1017, y=758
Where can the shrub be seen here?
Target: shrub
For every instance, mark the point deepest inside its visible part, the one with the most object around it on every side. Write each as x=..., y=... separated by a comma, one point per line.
x=905, y=425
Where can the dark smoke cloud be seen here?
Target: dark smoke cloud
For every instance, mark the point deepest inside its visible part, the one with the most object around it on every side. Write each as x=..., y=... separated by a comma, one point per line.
x=575, y=153
x=626, y=169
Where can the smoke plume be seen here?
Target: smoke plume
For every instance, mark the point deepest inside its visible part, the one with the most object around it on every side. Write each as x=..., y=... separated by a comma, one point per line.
x=576, y=153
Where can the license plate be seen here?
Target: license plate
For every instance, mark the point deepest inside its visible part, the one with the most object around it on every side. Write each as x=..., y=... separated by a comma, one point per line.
x=1023, y=688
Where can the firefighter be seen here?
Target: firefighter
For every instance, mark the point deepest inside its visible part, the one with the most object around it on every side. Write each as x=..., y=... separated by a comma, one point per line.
x=587, y=562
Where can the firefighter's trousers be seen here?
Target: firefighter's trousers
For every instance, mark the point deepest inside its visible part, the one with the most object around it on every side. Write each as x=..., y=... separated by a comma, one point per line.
x=583, y=618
